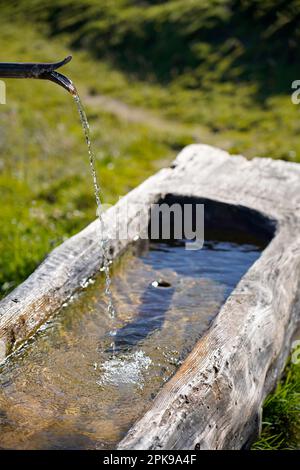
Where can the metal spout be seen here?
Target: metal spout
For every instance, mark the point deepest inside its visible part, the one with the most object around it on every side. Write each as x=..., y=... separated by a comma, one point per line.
x=40, y=71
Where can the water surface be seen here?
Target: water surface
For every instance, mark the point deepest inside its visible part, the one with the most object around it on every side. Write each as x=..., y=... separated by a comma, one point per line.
x=65, y=390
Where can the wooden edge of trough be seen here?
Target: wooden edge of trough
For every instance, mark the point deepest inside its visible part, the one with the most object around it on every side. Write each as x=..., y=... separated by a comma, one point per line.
x=214, y=399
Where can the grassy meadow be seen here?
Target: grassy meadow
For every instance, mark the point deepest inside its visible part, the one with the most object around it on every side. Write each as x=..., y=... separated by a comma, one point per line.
x=211, y=71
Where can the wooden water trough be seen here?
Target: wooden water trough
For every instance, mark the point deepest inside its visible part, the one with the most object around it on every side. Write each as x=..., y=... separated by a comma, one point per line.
x=214, y=400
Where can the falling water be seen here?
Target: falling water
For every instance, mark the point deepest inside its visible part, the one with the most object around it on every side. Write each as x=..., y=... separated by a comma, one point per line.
x=97, y=191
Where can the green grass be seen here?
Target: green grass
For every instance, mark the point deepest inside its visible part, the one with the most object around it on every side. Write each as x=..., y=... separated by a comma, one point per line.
x=281, y=414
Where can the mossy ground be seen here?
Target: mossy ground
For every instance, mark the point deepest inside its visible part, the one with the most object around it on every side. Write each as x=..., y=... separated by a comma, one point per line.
x=217, y=72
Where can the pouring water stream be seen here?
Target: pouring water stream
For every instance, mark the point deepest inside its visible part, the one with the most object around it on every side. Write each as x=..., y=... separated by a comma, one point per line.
x=48, y=71
x=97, y=191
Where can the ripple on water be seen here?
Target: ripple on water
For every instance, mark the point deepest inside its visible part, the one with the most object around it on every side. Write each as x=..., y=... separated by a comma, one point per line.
x=125, y=370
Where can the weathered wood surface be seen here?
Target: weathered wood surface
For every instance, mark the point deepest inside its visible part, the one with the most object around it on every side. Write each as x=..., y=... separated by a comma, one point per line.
x=214, y=399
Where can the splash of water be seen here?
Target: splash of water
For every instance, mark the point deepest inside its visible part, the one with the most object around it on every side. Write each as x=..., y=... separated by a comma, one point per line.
x=125, y=370
x=97, y=191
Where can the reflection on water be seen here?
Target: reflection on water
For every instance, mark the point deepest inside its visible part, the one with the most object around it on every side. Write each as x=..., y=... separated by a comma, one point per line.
x=65, y=390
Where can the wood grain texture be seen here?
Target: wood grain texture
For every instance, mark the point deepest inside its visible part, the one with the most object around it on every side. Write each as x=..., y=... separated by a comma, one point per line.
x=214, y=399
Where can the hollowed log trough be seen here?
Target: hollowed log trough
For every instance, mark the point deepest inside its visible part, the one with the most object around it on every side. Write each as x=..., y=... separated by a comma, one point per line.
x=214, y=400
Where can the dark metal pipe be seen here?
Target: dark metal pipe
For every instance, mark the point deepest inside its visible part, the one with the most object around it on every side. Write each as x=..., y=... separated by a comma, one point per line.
x=40, y=71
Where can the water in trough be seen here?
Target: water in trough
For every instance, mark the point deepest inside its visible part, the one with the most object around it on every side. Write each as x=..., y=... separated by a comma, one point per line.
x=68, y=389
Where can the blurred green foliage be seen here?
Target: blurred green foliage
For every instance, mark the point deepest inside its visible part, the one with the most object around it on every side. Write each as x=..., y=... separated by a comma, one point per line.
x=227, y=65
x=196, y=40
